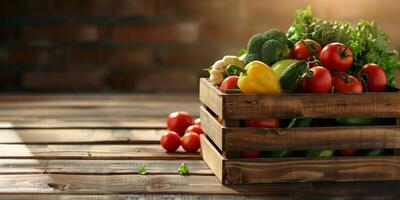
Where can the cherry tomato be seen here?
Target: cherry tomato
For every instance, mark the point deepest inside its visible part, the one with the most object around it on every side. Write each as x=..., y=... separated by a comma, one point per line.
x=374, y=76
x=266, y=123
x=191, y=142
x=179, y=121
x=250, y=154
x=194, y=128
x=197, y=121
x=318, y=80
x=336, y=57
x=219, y=120
x=301, y=50
x=170, y=141
x=343, y=83
x=229, y=82
x=346, y=152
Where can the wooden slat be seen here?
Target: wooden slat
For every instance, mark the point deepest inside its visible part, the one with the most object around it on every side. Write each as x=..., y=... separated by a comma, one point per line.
x=339, y=169
x=32, y=166
x=138, y=197
x=27, y=136
x=385, y=104
x=176, y=184
x=360, y=137
x=212, y=157
x=91, y=99
x=78, y=122
x=211, y=96
x=104, y=152
x=211, y=127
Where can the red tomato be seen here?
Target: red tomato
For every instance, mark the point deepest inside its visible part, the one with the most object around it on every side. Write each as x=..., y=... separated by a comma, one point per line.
x=194, y=128
x=318, y=80
x=191, y=142
x=301, y=50
x=219, y=120
x=346, y=152
x=197, y=122
x=170, y=141
x=250, y=154
x=229, y=82
x=266, y=123
x=374, y=76
x=179, y=121
x=336, y=57
x=343, y=83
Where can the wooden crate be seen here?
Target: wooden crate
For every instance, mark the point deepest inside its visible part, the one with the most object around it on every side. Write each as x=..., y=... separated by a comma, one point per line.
x=222, y=142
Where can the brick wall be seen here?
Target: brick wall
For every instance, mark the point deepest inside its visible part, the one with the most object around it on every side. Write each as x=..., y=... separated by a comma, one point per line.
x=145, y=45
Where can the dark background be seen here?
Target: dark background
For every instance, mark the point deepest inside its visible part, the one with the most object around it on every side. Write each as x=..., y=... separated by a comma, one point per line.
x=146, y=45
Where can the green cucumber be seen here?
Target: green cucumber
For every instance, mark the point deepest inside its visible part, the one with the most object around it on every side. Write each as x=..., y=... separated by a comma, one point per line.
x=278, y=154
x=320, y=153
x=358, y=121
x=290, y=77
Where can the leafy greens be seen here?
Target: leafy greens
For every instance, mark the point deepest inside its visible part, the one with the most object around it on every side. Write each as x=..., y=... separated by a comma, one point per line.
x=367, y=40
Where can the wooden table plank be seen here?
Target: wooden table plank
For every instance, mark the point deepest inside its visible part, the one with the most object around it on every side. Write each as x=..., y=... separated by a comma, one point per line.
x=145, y=196
x=32, y=166
x=101, y=152
x=177, y=184
x=48, y=136
x=78, y=122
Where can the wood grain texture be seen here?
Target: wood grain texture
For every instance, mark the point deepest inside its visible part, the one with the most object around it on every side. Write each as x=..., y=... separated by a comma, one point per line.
x=212, y=158
x=270, y=139
x=147, y=197
x=60, y=136
x=281, y=170
x=383, y=104
x=101, y=152
x=337, y=169
x=211, y=97
x=176, y=184
x=100, y=167
x=79, y=122
x=211, y=127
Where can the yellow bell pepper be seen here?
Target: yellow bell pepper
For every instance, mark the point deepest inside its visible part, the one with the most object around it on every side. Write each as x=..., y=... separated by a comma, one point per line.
x=258, y=78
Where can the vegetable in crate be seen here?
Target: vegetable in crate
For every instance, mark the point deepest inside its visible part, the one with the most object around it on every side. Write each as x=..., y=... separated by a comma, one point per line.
x=280, y=66
x=367, y=41
x=290, y=77
x=257, y=78
x=217, y=71
x=316, y=80
x=268, y=47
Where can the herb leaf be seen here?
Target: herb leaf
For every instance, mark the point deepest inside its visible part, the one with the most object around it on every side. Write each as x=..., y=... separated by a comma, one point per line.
x=142, y=170
x=183, y=169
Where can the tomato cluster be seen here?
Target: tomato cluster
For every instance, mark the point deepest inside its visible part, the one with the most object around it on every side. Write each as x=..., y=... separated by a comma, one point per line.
x=182, y=130
x=330, y=74
x=336, y=59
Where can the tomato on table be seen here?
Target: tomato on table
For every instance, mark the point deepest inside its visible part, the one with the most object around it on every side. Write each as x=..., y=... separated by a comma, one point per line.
x=170, y=141
x=194, y=128
x=190, y=142
x=179, y=121
x=197, y=121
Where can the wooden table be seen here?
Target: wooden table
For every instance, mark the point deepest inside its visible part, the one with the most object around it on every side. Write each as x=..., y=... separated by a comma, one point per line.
x=65, y=146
